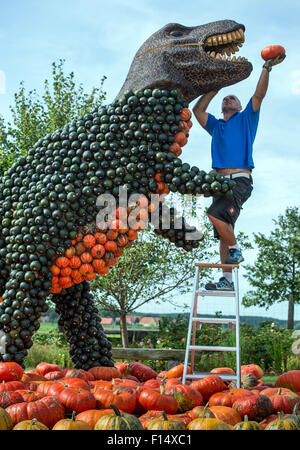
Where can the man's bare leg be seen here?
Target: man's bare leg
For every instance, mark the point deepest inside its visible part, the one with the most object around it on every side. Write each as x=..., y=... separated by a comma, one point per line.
x=224, y=230
x=227, y=240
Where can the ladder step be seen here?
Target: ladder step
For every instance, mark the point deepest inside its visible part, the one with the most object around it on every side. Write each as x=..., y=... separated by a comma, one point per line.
x=206, y=374
x=212, y=348
x=212, y=320
x=216, y=293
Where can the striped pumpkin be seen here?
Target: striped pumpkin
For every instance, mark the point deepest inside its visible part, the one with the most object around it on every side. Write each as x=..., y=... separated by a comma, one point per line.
x=247, y=425
x=165, y=423
x=282, y=424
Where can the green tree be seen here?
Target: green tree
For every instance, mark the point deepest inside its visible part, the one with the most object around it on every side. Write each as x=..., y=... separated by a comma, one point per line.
x=275, y=275
x=33, y=115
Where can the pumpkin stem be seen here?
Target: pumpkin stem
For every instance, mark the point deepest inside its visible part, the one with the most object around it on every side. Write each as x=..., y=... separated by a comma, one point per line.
x=246, y=418
x=73, y=415
x=162, y=389
x=32, y=423
x=164, y=415
x=295, y=410
x=116, y=411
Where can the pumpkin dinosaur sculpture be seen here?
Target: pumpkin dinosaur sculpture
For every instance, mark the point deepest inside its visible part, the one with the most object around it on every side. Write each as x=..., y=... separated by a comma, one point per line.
x=49, y=242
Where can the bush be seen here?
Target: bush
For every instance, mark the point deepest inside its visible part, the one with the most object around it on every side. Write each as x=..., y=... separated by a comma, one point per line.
x=266, y=345
x=48, y=353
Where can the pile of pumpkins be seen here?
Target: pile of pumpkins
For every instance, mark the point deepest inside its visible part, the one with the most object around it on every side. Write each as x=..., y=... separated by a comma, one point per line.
x=132, y=396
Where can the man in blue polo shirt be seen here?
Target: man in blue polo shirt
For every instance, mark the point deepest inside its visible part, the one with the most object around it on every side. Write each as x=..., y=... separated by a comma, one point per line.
x=232, y=145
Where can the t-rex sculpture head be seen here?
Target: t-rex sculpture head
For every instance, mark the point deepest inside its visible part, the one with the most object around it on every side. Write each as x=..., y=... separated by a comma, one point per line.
x=193, y=60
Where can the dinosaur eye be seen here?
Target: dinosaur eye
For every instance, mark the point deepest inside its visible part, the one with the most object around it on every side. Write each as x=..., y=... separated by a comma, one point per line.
x=176, y=33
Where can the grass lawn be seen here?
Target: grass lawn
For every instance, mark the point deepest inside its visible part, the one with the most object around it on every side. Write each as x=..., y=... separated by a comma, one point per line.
x=270, y=378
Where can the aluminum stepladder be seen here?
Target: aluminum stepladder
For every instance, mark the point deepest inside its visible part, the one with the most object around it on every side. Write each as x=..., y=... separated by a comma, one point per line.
x=194, y=320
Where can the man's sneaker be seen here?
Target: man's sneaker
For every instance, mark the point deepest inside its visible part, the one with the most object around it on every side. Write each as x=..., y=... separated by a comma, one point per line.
x=234, y=256
x=222, y=285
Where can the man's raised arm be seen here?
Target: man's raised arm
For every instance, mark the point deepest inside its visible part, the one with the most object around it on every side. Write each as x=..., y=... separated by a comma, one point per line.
x=200, y=107
x=263, y=82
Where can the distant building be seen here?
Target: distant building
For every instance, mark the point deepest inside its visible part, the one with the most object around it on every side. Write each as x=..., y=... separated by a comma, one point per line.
x=107, y=321
x=148, y=322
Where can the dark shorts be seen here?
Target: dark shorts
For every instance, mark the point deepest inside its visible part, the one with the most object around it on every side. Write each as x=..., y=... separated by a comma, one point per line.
x=228, y=210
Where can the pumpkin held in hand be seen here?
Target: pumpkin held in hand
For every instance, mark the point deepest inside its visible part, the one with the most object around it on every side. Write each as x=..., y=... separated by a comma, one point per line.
x=271, y=51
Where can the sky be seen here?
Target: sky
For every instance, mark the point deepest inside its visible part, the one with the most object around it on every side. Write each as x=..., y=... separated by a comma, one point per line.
x=99, y=38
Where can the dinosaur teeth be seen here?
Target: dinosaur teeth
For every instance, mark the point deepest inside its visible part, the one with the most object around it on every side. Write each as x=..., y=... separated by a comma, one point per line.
x=226, y=38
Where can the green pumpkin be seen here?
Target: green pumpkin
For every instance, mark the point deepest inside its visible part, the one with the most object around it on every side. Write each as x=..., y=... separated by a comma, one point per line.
x=282, y=424
x=247, y=425
x=294, y=416
x=118, y=421
x=165, y=423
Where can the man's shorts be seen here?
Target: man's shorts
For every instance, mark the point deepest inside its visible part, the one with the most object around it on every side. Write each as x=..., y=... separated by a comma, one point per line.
x=228, y=210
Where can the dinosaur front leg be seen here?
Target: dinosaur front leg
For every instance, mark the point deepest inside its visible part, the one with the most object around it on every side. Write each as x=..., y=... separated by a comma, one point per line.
x=80, y=322
x=173, y=227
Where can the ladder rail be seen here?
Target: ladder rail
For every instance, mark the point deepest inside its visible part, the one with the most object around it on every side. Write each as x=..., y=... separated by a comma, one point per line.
x=237, y=328
x=190, y=324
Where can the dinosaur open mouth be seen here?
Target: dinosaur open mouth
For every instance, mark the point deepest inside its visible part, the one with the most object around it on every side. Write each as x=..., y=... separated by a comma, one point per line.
x=224, y=45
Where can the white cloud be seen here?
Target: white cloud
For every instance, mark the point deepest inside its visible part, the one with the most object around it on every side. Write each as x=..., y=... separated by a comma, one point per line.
x=295, y=88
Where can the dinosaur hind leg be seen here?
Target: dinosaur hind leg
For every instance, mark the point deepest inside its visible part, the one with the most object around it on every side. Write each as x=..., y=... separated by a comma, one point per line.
x=80, y=322
x=24, y=300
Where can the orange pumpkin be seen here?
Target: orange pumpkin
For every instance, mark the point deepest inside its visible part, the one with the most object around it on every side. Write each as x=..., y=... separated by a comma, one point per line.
x=185, y=114
x=55, y=269
x=62, y=261
x=100, y=238
x=105, y=373
x=65, y=272
x=86, y=269
x=180, y=138
x=75, y=262
x=209, y=385
x=121, y=398
x=177, y=371
x=253, y=369
x=271, y=51
x=91, y=416
x=99, y=265
x=86, y=257
x=110, y=246
x=111, y=235
x=70, y=252
x=79, y=248
x=228, y=397
x=226, y=414
x=89, y=241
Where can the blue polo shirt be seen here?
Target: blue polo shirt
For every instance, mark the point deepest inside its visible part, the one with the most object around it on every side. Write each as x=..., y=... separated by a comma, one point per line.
x=232, y=140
